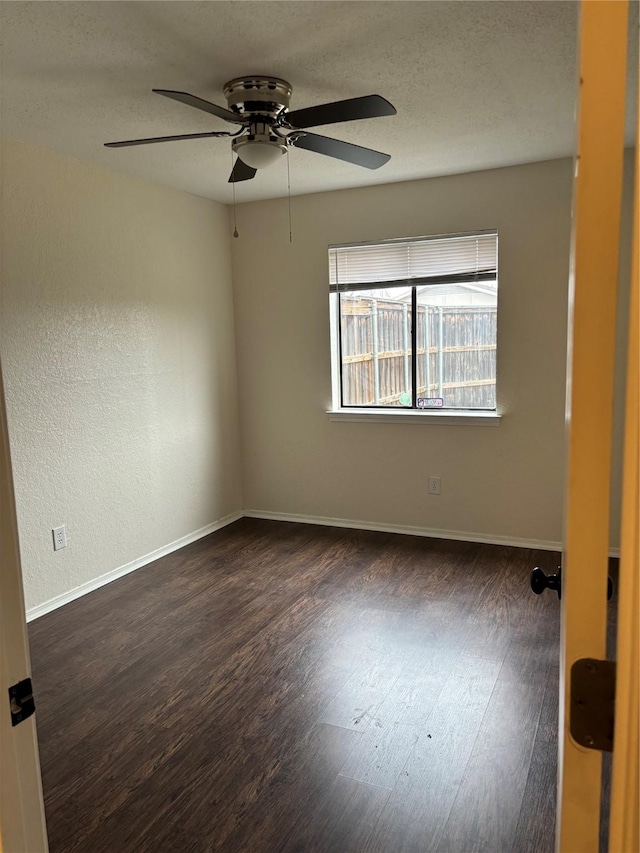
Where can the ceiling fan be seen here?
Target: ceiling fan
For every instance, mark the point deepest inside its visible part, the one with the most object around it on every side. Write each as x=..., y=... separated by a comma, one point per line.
x=260, y=106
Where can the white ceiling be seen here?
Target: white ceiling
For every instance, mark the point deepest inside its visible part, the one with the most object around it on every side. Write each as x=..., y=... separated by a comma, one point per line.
x=476, y=84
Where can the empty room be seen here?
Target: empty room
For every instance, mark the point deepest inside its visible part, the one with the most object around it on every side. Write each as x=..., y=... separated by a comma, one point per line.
x=318, y=334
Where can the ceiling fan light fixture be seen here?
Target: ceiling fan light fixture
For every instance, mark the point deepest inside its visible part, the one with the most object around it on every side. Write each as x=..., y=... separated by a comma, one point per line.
x=260, y=105
x=257, y=153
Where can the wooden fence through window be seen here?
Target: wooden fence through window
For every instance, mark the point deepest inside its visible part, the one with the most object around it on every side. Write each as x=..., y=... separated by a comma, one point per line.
x=456, y=353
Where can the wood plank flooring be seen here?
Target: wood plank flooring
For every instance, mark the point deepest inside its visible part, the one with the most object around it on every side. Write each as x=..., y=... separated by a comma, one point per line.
x=283, y=687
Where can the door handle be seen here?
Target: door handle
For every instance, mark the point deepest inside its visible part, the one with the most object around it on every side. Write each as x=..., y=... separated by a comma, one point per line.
x=539, y=582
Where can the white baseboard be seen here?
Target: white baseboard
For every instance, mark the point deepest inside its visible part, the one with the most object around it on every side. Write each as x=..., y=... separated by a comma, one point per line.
x=96, y=583
x=461, y=536
x=89, y=586
x=539, y=544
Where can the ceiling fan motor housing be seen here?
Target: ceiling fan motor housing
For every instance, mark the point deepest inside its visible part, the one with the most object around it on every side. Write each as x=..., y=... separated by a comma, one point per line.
x=262, y=100
x=260, y=95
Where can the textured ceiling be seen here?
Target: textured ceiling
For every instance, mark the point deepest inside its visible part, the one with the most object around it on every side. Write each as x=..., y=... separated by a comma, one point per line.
x=476, y=84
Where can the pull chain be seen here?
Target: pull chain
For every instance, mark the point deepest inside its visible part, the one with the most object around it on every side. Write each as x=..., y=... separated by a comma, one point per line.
x=289, y=195
x=233, y=190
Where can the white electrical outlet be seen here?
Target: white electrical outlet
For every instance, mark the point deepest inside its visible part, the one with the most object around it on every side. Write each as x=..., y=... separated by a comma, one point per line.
x=434, y=485
x=59, y=538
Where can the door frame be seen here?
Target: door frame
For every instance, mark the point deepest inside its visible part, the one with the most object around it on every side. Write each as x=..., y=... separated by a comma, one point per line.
x=22, y=818
x=624, y=818
x=597, y=199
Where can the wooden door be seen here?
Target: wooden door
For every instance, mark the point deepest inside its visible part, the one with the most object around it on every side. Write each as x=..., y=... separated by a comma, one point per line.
x=590, y=386
x=22, y=824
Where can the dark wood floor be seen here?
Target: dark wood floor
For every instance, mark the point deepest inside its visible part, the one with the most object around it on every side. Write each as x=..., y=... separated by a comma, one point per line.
x=282, y=687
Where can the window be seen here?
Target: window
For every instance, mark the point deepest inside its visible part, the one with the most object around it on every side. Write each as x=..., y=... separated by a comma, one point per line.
x=414, y=323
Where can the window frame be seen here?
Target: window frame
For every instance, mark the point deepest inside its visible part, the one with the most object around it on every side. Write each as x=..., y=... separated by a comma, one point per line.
x=376, y=411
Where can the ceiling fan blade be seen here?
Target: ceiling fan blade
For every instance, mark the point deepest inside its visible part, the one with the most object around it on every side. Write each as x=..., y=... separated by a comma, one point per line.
x=200, y=104
x=356, y=154
x=370, y=106
x=128, y=142
x=241, y=172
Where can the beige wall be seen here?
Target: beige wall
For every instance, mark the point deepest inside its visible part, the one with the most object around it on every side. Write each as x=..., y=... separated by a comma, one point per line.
x=501, y=484
x=117, y=338
x=117, y=343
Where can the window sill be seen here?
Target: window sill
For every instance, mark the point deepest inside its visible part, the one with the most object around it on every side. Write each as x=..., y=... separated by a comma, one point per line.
x=412, y=416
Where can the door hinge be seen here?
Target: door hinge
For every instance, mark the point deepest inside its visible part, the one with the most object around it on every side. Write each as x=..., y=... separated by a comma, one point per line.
x=21, y=701
x=593, y=697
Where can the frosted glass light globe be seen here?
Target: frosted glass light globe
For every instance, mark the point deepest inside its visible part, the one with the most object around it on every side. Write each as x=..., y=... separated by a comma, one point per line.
x=258, y=155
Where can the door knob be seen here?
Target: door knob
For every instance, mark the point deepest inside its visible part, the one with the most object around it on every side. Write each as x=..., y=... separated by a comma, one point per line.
x=540, y=582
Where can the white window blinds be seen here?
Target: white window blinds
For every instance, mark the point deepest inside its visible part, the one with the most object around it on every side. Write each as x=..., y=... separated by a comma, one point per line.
x=423, y=260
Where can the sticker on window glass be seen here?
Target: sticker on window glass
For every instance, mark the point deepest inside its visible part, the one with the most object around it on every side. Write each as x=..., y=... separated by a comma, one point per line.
x=430, y=402
x=404, y=399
